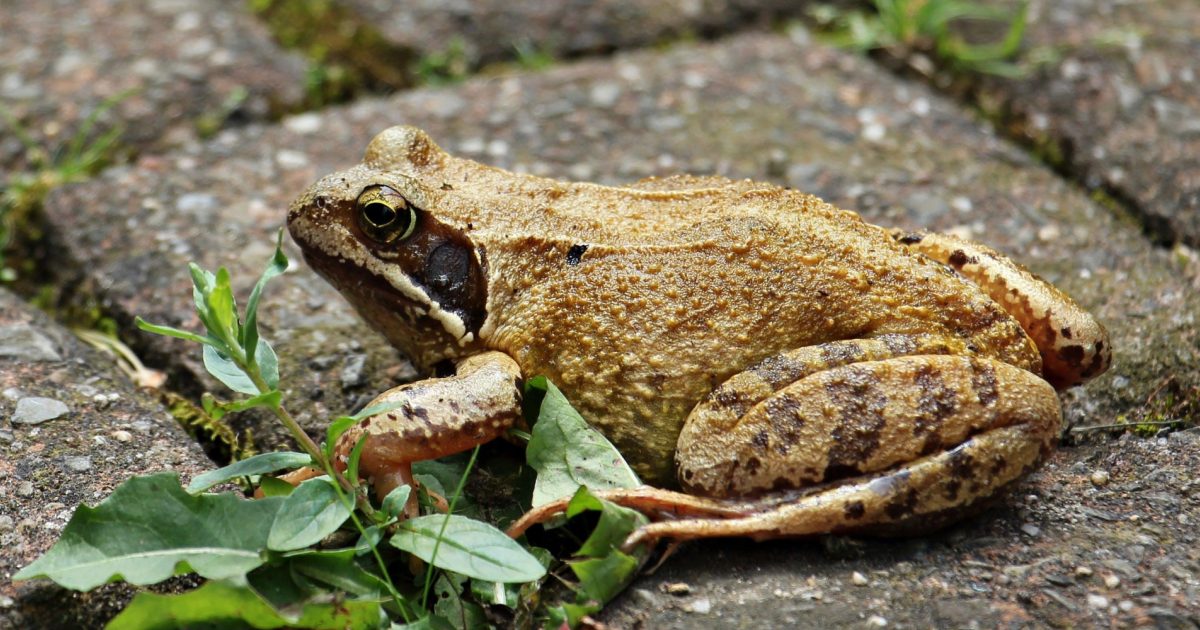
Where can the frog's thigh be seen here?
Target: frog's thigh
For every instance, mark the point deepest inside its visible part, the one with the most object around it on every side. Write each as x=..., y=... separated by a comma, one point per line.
x=438, y=416
x=1074, y=346
x=863, y=418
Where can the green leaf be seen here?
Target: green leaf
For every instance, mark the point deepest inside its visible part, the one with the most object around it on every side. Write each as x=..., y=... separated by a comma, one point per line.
x=223, y=605
x=450, y=605
x=275, y=266
x=393, y=503
x=603, y=578
x=615, y=525
x=432, y=622
x=222, y=308
x=168, y=331
x=202, y=285
x=257, y=465
x=469, y=547
x=150, y=529
x=313, y=511
x=335, y=431
x=270, y=399
x=268, y=363
x=272, y=487
x=338, y=569
x=228, y=372
x=568, y=453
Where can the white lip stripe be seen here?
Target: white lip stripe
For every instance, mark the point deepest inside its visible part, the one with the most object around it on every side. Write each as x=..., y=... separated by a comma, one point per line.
x=337, y=243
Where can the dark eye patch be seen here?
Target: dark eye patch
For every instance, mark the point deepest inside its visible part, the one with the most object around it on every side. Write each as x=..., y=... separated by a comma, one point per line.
x=447, y=269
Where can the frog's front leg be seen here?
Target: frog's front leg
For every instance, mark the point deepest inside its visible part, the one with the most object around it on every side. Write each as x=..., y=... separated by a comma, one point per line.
x=433, y=418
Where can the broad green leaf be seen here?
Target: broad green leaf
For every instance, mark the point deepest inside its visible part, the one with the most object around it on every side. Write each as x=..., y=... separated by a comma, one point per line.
x=223, y=605
x=469, y=547
x=168, y=331
x=222, y=308
x=268, y=363
x=615, y=525
x=393, y=503
x=272, y=487
x=275, y=266
x=228, y=372
x=371, y=537
x=335, y=431
x=432, y=622
x=568, y=453
x=257, y=465
x=603, y=578
x=311, y=512
x=150, y=529
x=450, y=605
x=339, y=570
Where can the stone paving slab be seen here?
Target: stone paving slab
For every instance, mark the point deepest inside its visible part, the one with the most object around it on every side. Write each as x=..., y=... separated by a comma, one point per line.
x=72, y=428
x=492, y=30
x=1121, y=103
x=769, y=107
x=60, y=59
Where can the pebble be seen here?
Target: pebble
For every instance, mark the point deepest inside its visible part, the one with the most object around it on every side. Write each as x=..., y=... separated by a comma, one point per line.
x=1083, y=572
x=78, y=463
x=1031, y=529
x=1100, y=478
x=22, y=341
x=875, y=621
x=1097, y=601
x=121, y=435
x=858, y=579
x=353, y=375
x=677, y=588
x=1112, y=581
x=701, y=606
x=25, y=489
x=35, y=410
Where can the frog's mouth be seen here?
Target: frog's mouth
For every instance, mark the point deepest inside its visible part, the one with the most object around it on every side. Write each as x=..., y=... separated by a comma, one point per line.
x=418, y=327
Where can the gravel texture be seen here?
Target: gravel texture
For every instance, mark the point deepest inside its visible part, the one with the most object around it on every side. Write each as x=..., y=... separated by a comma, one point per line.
x=51, y=465
x=60, y=59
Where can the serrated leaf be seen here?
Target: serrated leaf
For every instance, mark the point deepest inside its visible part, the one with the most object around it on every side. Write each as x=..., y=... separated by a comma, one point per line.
x=469, y=547
x=150, y=529
x=257, y=465
x=568, y=453
x=223, y=605
x=311, y=512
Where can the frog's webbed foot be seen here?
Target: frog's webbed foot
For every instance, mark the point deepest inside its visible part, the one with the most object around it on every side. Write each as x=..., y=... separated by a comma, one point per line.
x=890, y=435
x=434, y=418
x=1074, y=346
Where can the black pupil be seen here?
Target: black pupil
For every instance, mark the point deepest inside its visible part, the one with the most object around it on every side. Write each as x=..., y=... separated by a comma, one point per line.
x=379, y=214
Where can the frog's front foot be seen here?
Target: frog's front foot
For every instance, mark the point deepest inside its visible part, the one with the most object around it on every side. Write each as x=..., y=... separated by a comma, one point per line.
x=433, y=418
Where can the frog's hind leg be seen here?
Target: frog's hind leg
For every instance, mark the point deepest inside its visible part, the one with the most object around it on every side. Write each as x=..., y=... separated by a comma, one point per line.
x=1074, y=346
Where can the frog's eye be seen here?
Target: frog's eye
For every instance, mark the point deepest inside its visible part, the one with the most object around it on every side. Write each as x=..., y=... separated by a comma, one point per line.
x=385, y=215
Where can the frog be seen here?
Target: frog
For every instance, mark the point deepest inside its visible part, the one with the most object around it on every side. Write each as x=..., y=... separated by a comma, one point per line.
x=769, y=364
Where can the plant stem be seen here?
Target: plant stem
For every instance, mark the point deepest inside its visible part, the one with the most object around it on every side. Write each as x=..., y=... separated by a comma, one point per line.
x=462, y=482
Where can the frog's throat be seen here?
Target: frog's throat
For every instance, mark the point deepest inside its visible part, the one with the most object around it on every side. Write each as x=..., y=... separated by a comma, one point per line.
x=337, y=251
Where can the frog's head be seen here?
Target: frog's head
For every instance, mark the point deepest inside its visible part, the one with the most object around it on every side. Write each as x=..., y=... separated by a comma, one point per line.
x=377, y=233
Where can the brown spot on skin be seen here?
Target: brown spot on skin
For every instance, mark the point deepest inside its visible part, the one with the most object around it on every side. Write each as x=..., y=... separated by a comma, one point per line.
x=752, y=465
x=899, y=344
x=911, y=238
x=760, y=441
x=950, y=489
x=367, y=423
x=959, y=258
x=1073, y=355
x=983, y=381
x=778, y=370
x=835, y=354
x=729, y=399
x=854, y=510
x=421, y=413
x=1066, y=332
x=936, y=403
x=575, y=254
x=784, y=412
x=861, y=405
x=902, y=505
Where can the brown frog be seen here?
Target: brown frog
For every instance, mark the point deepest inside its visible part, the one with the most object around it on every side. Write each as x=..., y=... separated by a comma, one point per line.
x=795, y=369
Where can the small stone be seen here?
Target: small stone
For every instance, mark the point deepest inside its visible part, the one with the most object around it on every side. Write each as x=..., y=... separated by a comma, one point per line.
x=353, y=375
x=22, y=341
x=858, y=579
x=6, y=523
x=1112, y=581
x=1083, y=572
x=677, y=588
x=701, y=606
x=1100, y=478
x=35, y=410
x=1125, y=605
x=875, y=621
x=1031, y=529
x=25, y=489
x=78, y=463
x=121, y=435
x=1097, y=601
